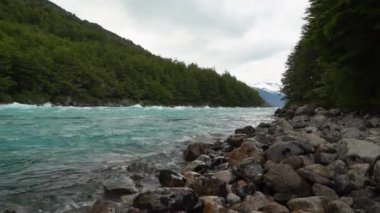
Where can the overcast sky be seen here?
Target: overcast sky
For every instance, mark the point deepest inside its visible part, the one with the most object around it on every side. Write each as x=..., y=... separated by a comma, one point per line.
x=249, y=38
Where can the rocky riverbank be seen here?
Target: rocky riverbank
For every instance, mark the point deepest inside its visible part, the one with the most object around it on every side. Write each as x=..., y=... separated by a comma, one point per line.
x=308, y=160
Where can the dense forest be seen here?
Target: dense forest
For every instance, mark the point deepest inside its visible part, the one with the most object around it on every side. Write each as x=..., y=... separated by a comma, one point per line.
x=49, y=55
x=337, y=61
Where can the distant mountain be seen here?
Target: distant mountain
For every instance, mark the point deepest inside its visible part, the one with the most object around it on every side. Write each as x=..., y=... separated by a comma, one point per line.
x=50, y=55
x=271, y=94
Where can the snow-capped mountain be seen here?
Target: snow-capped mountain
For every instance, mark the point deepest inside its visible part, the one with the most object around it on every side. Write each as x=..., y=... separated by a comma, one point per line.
x=271, y=94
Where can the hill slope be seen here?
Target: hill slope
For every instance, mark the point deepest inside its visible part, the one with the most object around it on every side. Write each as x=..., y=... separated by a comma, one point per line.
x=48, y=54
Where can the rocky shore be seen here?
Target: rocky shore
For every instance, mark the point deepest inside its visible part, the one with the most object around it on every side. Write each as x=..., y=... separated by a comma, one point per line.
x=308, y=160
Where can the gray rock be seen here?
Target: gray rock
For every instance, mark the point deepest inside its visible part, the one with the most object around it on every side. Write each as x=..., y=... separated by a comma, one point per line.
x=375, y=174
x=297, y=161
x=249, y=169
x=281, y=150
x=331, y=131
x=284, y=125
x=19, y=209
x=282, y=178
x=334, y=112
x=114, y=189
x=351, y=132
x=358, y=150
x=204, y=185
x=224, y=175
x=322, y=190
x=367, y=205
x=315, y=204
x=317, y=120
x=300, y=121
x=106, y=206
x=196, y=166
x=351, y=121
x=338, y=206
x=353, y=180
x=312, y=177
x=252, y=203
x=320, y=111
x=236, y=140
x=325, y=158
x=374, y=122
x=248, y=130
x=337, y=168
x=232, y=198
x=169, y=200
x=168, y=178
x=195, y=149
x=305, y=110
x=315, y=140
x=206, y=159
x=274, y=207
x=243, y=188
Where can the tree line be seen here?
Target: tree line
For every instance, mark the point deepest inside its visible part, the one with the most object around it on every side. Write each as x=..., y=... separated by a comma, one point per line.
x=49, y=55
x=336, y=61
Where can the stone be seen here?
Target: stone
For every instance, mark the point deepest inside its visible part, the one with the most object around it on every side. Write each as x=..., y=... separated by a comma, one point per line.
x=316, y=204
x=325, y=158
x=320, y=111
x=284, y=125
x=374, y=122
x=249, y=169
x=206, y=159
x=274, y=207
x=252, y=203
x=350, y=132
x=318, y=169
x=351, y=121
x=224, y=175
x=282, y=150
x=322, y=190
x=232, y=198
x=236, y=140
x=106, y=206
x=375, y=173
x=169, y=200
x=337, y=168
x=366, y=205
x=351, y=181
x=314, y=140
x=311, y=177
x=358, y=150
x=305, y=110
x=206, y=185
x=334, y=112
x=114, y=189
x=317, y=120
x=338, y=206
x=264, y=125
x=213, y=204
x=246, y=150
x=195, y=149
x=248, y=130
x=300, y=121
x=283, y=179
x=297, y=161
x=331, y=131
x=196, y=166
x=243, y=188
x=168, y=178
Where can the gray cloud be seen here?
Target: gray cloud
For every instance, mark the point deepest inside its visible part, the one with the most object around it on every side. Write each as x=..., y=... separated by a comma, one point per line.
x=249, y=38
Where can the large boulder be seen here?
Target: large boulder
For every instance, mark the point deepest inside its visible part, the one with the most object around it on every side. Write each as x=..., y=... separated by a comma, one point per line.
x=282, y=178
x=249, y=169
x=315, y=204
x=252, y=203
x=358, y=150
x=322, y=190
x=115, y=188
x=205, y=185
x=168, y=178
x=195, y=149
x=169, y=200
x=281, y=150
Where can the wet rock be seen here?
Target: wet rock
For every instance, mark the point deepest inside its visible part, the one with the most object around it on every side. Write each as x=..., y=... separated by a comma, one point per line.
x=169, y=200
x=264, y=125
x=305, y=110
x=206, y=159
x=297, y=161
x=106, y=206
x=322, y=190
x=274, y=207
x=248, y=169
x=248, y=130
x=218, y=161
x=366, y=205
x=18, y=209
x=283, y=179
x=243, y=188
x=358, y=150
x=114, y=189
x=338, y=206
x=331, y=131
x=252, y=203
x=236, y=140
x=206, y=185
x=168, y=178
x=325, y=158
x=213, y=204
x=246, y=150
x=315, y=204
x=195, y=149
x=196, y=166
x=225, y=176
x=282, y=150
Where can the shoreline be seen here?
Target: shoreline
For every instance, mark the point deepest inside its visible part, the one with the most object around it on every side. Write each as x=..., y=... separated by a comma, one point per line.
x=307, y=160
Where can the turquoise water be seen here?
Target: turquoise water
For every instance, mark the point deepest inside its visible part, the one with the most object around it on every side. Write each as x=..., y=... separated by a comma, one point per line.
x=54, y=157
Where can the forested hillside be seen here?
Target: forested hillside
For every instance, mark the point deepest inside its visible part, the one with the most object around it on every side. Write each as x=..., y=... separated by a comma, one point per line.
x=337, y=61
x=48, y=54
